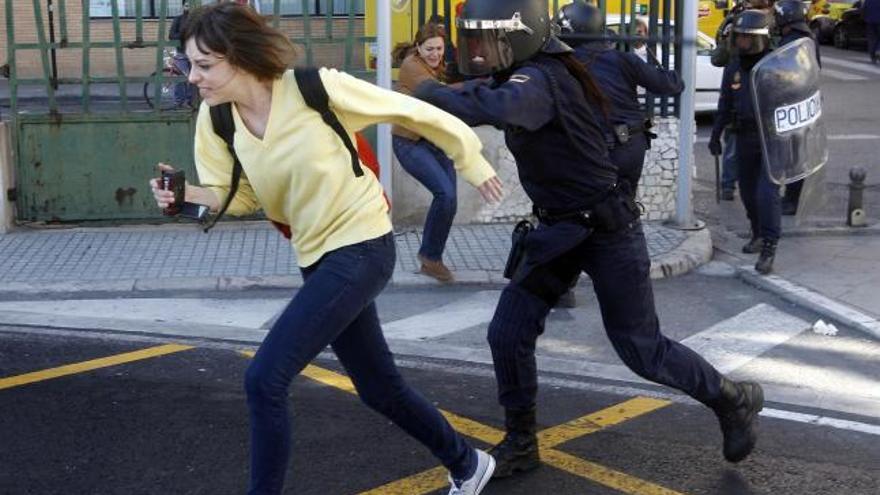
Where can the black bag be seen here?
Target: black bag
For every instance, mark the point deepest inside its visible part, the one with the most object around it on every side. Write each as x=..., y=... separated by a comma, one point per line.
x=517, y=248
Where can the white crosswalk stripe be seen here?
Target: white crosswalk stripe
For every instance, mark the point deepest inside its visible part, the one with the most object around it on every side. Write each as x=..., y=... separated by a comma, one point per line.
x=849, y=64
x=856, y=71
x=732, y=343
x=762, y=342
x=843, y=76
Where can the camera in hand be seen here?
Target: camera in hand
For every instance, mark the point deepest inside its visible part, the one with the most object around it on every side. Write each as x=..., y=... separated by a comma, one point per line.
x=176, y=182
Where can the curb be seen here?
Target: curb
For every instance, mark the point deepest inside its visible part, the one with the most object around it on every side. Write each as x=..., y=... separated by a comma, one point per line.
x=811, y=300
x=694, y=251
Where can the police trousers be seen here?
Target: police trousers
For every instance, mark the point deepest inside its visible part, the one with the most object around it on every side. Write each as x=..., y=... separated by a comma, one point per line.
x=619, y=266
x=629, y=158
x=759, y=195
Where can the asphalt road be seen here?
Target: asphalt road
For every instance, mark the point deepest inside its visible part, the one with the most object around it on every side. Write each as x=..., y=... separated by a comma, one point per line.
x=173, y=419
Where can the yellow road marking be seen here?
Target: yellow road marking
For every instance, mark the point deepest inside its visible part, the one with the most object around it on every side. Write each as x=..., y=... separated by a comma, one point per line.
x=600, y=474
x=436, y=478
x=72, y=369
x=424, y=482
x=610, y=416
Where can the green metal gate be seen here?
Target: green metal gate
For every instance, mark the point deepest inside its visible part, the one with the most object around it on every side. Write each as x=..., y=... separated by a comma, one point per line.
x=85, y=140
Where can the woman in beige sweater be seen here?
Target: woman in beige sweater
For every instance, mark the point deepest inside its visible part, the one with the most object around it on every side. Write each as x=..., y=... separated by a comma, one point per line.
x=419, y=61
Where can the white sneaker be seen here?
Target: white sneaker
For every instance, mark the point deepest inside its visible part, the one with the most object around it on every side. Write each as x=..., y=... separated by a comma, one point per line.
x=475, y=484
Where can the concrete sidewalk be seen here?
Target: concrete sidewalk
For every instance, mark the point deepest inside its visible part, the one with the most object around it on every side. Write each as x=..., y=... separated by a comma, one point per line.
x=247, y=255
x=829, y=268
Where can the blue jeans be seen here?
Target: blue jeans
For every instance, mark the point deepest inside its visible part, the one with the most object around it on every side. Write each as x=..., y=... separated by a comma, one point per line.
x=336, y=307
x=619, y=266
x=759, y=195
x=430, y=166
x=728, y=162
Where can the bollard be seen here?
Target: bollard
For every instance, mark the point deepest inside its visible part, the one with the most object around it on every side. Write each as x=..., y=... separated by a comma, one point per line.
x=855, y=210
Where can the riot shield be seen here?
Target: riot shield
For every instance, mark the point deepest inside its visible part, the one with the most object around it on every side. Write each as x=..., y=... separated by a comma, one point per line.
x=788, y=110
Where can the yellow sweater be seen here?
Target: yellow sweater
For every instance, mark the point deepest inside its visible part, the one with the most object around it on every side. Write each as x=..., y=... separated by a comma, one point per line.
x=300, y=172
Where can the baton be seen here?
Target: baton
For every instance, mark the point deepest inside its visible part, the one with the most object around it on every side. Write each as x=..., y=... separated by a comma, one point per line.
x=717, y=179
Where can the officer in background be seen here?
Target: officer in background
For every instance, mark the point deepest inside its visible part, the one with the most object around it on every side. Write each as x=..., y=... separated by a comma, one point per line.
x=544, y=100
x=618, y=75
x=750, y=41
x=721, y=56
x=791, y=23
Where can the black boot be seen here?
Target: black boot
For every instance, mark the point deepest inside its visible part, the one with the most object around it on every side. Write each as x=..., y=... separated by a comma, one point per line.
x=518, y=452
x=737, y=410
x=753, y=246
x=765, y=261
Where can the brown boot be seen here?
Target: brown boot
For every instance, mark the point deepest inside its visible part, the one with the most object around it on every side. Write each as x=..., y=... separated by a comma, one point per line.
x=435, y=269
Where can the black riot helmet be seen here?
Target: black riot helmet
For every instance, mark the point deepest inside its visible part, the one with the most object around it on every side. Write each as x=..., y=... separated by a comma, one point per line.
x=493, y=35
x=789, y=12
x=751, y=32
x=579, y=17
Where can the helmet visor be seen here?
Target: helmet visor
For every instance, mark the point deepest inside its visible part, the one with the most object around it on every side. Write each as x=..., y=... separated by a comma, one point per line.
x=483, y=51
x=749, y=44
x=484, y=46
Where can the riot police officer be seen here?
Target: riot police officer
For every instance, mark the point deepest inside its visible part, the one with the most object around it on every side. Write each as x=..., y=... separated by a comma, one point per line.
x=618, y=75
x=543, y=98
x=760, y=196
x=791, y=23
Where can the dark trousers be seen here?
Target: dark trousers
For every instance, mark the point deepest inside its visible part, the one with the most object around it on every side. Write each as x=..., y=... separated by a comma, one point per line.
x=759, y=195
x=619, y=266
x=630, y=158
x=872, y=31
x=335, y=307
x=430, y=166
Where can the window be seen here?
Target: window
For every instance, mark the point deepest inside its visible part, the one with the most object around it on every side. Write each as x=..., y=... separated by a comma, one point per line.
x=150, y=8
x=316, y=7
x=128, y=8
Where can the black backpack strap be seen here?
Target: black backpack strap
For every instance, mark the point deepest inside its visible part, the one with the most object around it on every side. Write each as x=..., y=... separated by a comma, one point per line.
x=224, y=126
x=312, y=88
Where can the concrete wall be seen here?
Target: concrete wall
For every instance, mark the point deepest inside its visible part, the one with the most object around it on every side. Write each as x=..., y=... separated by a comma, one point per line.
x=656, y=188
x=7, y=179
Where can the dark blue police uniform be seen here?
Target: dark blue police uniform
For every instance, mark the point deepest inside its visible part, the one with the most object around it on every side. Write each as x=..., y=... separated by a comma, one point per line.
x=759, y=194
x=564, y=168
x=619, y=74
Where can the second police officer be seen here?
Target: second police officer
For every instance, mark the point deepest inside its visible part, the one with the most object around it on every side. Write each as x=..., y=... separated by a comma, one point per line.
x=618, y=74
x=750, y=42
x=543, y=99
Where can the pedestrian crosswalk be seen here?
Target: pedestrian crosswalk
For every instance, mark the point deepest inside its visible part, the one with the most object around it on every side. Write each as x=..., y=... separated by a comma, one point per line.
x=758, y=340
x=849, y=68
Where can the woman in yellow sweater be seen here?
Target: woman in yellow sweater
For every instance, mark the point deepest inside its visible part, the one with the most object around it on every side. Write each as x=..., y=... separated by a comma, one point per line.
x=419, y=61
x=299, y=172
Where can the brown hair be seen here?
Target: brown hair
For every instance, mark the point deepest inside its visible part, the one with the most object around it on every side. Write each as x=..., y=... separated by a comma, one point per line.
x=426, y=32
x=241, y=36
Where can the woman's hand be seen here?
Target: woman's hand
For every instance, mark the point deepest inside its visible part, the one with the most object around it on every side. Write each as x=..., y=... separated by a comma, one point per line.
x=163, y=198
x=491, y=190
x=192, y=194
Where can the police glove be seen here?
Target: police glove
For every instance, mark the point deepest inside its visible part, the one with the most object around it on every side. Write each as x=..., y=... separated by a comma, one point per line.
x=715, y=145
